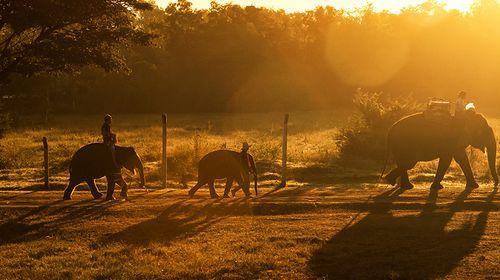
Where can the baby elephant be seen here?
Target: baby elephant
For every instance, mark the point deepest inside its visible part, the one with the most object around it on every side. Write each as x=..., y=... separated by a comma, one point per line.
x=224, y=164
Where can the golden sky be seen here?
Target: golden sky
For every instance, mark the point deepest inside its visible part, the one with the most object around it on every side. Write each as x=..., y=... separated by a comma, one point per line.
x=301, y=5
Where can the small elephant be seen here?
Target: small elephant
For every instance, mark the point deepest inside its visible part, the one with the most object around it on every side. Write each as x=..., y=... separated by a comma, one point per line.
x=229, y=165
x=94, y=161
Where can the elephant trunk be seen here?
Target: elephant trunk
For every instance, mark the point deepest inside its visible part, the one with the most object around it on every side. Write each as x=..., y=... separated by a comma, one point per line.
x=254, y=171
x=256, y=187
x=492, y=157
x=140, y=167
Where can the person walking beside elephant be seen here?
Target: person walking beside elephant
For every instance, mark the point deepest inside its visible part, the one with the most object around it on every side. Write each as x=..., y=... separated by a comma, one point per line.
x=249, y=164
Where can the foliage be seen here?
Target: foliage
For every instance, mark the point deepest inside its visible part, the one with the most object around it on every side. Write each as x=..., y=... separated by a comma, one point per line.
x=47, y=36
x=365, y=135
x=232, y=58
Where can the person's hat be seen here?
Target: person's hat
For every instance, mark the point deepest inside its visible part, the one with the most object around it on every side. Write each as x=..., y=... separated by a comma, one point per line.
x=245, y=146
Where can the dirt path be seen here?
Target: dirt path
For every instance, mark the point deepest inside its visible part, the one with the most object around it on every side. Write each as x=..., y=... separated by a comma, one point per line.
x=336, y=232
x=339, y=196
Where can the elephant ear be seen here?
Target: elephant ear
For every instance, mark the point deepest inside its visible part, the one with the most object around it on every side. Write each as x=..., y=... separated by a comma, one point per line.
x=476, y=130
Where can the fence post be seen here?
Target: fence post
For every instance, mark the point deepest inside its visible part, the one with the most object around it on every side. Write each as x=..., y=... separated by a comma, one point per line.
x=197, y=146
x=284, y=146
x=164, y=152
x=45, y=162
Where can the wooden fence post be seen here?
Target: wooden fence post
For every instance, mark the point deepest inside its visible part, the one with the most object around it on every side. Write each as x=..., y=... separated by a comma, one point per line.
x=164, y=152
x=45, y=162
x=284, y=146
x=197, y=146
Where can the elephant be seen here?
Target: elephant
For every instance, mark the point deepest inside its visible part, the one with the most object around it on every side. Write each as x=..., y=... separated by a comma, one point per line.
x=94, y=161
x=418, y=138
x=229, y=165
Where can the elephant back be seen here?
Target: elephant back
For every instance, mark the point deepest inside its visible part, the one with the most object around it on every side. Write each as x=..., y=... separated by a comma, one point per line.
x=90, y=161
x=221, y=163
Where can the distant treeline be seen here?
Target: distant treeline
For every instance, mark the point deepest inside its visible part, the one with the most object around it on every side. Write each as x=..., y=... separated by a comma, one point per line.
x=231, y=58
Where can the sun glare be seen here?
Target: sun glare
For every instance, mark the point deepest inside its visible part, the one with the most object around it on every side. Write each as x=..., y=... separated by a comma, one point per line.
x=393, y=6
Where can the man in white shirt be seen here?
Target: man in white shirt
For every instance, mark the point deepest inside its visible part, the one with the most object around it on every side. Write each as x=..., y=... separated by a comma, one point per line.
x=460, y=104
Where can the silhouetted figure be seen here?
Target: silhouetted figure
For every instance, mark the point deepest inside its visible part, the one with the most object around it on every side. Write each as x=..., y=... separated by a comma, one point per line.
x=109, y=138
x=460, y=104
x=414, y=138
x=248, y=163
x=229, y=165
x=93, y=162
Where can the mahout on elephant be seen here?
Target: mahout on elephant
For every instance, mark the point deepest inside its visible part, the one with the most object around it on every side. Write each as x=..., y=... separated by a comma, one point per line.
x=229, y=165
x=421, y=137
x=93, y=161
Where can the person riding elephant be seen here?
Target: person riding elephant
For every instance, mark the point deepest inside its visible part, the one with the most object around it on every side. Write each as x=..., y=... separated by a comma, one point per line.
x=229, y=165
x=420, y=138
x=109, y=139
x=93, y=162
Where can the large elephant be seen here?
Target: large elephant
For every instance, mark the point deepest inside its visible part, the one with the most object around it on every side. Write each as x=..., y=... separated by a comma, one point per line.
x=420, y=138
x=229, y=165
x=94, y=161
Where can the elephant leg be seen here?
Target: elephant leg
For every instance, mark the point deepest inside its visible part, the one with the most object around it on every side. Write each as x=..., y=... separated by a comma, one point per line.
x=93, y=189
x=194, y=189
x=111, y=188
x=245, y=188
x=405, y=181
x=444, y=164
x=235, y=190
x=124, y=187
x=68, y=192
x=229, y=184
x=463, y=162
x=211, y=187
x=392, y=177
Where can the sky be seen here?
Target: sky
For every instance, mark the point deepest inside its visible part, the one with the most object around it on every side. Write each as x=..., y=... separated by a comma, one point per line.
x=301, y=5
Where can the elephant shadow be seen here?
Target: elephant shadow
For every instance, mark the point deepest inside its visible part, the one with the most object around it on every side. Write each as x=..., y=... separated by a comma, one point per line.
x=407, y=246
x=48, y=220
x=178, y=221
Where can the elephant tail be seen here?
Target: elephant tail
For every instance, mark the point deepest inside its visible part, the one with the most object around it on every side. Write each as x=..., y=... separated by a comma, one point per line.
x=387, y=155
x=385, y=167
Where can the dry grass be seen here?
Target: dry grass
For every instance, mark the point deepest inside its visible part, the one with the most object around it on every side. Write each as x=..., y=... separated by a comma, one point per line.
x=312, y=147
x=332, y=222
x=336, y=232
x=312, y=141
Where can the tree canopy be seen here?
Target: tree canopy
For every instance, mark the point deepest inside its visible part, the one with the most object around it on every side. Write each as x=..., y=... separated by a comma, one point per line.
x=46, y=36
x=231, y=58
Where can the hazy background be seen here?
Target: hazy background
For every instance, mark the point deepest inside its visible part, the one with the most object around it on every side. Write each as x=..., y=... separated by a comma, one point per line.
x=229, y=58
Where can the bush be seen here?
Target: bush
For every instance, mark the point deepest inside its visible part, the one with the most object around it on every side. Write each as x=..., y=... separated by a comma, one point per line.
x=365, y=135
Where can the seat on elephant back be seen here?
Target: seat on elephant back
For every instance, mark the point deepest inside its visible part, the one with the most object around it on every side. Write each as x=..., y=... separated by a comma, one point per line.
x=438, y=111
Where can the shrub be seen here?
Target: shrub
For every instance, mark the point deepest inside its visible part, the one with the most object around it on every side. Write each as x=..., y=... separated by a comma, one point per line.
x=364, y=137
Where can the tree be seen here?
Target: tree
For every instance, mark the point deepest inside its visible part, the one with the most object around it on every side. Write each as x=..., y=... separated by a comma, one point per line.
x=47, y=36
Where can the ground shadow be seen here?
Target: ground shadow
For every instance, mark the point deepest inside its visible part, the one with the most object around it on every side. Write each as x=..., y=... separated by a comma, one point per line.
x=180, y=220
x=49, y=219
x=385, y=246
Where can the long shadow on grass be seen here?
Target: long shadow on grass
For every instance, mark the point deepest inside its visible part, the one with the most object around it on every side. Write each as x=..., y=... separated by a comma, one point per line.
x=384, y=246
x=46, y=221
x=180, y=220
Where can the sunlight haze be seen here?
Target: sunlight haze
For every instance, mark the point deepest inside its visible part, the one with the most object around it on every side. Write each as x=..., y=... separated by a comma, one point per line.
x=297, y=6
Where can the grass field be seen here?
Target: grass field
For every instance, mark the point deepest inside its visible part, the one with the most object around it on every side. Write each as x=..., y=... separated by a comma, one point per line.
x=337, y=232
x=333, y=221
x=312, y=147
x=312, y=141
